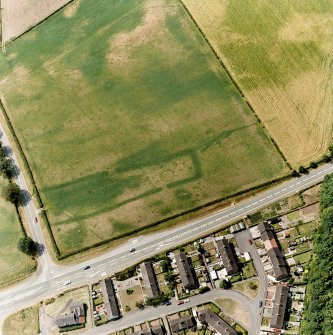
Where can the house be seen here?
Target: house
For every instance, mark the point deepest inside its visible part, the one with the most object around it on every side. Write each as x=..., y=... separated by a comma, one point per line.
x=149, y=279
x=109, y=299
x=273, y=252
x=228, y=258
x=185, y=270
x=279, y=307
x=155, y=330
x=182, y=323
x=208, y=317
x=77, y=316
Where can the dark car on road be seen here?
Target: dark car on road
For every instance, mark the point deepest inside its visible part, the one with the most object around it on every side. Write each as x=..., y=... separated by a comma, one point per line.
x=86, y=267
x=132, y=250
x=260, y=303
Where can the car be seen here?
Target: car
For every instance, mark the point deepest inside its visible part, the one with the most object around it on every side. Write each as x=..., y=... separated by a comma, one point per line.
x=260, y=303
x=86, y=267
x=168, y=303
x=67, y=282
x=132, y=250
x=180, y=302
x=250, y=241
x=187, y=300
x=36, y=220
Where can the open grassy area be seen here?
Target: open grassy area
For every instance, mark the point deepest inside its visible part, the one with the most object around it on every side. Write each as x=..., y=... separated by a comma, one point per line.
x=126, y=117
x=14, y=264
x=280, y=54
x=235, y=310
x=24, y=322
x=250, y=288
x=131, y=299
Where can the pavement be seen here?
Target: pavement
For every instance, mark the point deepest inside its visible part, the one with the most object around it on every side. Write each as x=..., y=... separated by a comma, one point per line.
x=50, y=278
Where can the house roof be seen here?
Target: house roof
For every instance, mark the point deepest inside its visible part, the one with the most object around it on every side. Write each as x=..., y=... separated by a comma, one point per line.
x=228, y=258
x=66, y=320
x=182, y=323
x=273, y=252
x=109, y=299
x=149, y=279
x=76, y=316
x=214, y=321
x=279, y=307
x=185, y=271
x=156, y=330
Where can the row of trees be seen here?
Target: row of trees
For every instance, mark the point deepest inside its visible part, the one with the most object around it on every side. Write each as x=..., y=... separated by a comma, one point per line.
x=12, y=193
x=319, y=305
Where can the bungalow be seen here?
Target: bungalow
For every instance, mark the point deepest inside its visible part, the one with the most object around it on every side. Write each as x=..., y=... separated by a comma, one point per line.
x=77, y=316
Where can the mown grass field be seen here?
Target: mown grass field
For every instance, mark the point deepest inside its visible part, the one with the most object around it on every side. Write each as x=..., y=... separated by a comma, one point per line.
x=24, y=322
x=127, y=117
x=280, y=54
x=13, y=264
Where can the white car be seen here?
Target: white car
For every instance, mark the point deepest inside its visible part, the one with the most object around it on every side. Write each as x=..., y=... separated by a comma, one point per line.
x=67, y=282
x=187, y=300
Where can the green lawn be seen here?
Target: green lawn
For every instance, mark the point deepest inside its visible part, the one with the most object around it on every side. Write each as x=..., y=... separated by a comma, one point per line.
x=14, y=264
x=126, y=117
x=303, y=258
x=307, y=228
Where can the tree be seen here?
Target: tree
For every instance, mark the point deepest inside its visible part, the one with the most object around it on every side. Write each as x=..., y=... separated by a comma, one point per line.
x=313, y=165
x=6, y=168
x=169, y=277
x=225, y=284
x=11, y=193
x=140, y=304
x=326, y=158
x=302, y=169
x=26, y=245
x=295, y=173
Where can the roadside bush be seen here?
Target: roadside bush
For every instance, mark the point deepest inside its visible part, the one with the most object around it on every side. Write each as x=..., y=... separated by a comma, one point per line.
x=204, y=289
x=126, y=274
x=27, y=245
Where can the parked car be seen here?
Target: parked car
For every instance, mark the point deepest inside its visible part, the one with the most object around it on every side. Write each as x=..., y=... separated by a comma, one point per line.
x=67, y=282
x=260, y=303
x=187, y=300
x=86, y=267
x=250, y=241
x=180, y=302
x=168, y=303
x=132, y=250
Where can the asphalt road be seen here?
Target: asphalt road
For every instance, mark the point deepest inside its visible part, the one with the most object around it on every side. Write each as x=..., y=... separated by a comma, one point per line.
x=151, y=313
x=50, y=278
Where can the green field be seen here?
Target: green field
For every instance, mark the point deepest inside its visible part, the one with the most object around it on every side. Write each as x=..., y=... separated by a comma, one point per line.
x=13, y=264
x=127, y=117
x=280, y=54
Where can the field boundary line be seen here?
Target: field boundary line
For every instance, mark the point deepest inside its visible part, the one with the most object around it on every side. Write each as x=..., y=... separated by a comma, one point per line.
x=235, y=83
x=13, y=39
x=31, y=177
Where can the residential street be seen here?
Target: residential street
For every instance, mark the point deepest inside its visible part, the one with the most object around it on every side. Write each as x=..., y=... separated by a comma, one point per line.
x=50, y=278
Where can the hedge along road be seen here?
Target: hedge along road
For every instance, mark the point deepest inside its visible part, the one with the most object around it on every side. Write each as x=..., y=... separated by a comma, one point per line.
x=43, y=285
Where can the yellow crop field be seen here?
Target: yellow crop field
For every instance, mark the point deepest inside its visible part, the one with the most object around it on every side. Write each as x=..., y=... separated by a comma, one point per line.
x=280, y=55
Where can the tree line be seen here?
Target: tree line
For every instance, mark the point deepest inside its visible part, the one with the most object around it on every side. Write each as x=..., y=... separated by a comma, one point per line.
x=12, y=193
x=318, y=318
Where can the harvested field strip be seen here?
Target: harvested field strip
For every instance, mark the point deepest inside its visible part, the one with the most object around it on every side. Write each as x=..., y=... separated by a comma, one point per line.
x=280, y=63
x=127, y=118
